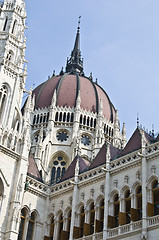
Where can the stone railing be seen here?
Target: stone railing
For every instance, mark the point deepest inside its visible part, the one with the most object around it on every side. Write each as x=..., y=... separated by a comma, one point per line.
x=153, y=220
x=95, y=236
x=125, y=228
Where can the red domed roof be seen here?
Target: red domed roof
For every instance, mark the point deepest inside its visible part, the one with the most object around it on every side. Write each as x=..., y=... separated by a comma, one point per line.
x=67, y=87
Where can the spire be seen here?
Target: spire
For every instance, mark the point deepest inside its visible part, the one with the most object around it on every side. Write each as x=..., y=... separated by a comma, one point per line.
x=75, y=63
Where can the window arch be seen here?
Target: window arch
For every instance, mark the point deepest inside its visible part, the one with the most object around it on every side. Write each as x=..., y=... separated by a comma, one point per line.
x=10, y=55
x=3, y=99
x=52, y=223
x=100, y=221
x=91, y=217
x=139, y=202
x=24, y=214
x=155, y=197
x=81, y=221
x=116, y=209
x=31, y=226
x=60, y=226
x=58, y=167
x=127, y=205
x=66, y=233
x=68, y=117
x=5, y=24
x=14, y=26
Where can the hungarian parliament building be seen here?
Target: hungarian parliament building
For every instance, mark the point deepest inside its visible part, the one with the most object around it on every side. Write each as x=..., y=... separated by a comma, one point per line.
x=67, y=170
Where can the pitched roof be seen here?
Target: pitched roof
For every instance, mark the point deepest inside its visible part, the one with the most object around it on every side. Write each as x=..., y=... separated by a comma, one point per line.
x=70, y=172
x=32, y=168
x=101, y=156
x=134, y=142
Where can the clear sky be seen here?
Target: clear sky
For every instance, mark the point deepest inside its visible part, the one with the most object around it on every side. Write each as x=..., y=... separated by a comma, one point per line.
x=119, y=44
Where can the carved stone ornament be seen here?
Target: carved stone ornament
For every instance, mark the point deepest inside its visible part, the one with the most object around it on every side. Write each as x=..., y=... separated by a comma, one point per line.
x=138, y=175
x=153, y=169
x=70, y=201
x=102, y=188
x=53, y=207
x=82, y=196
x=61, y=203
x=126, y=179
x=92, y=192
x=115, y=183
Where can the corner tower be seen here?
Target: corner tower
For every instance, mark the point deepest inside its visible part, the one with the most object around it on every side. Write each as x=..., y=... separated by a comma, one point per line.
x=12, y=59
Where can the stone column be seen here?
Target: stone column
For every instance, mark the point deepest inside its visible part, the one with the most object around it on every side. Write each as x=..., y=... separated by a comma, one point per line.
x=107, y=183
x=74, y=200
x=144, y=190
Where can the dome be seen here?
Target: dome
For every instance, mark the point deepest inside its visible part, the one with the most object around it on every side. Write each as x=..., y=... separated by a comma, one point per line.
x=69, y=84
x=67, y=87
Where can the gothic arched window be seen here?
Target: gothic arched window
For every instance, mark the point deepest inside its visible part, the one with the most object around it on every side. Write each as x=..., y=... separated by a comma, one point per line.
x=127, y=205
x=155, y=194
x=58, y=168
x=60, y=227
x=82, y=220
x=116, y=209
x=101, y=214
x=139, y=202
x=5, y=24
x=68, y=223
x=22, y=223
x=31, y=226
x=52, y=228
x=91, y=217
x=3, y=99
x=14, y=26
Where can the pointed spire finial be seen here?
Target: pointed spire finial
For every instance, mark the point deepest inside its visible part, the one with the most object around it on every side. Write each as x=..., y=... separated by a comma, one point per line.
x=75, y=62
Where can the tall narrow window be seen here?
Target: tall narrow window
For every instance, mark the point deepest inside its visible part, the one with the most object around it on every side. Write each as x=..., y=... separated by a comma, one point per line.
x=155, y=191
x=72, y=117
x=64, y=117
x=3, y=99
x=22, y=224
x=14, y=26
x=101, y=214
x=69, y=222
x=5, y=24
x=82, y=220
x=60, y=118
x=60, y=226
x=31, y=227
x=56, y=116
x=116, y=209
x=92, y=217
x=139, y=202
x=127, y=206
x=68, y=117
x=52, y=228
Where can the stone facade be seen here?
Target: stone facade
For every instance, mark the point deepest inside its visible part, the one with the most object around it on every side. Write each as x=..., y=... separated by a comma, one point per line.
x=67, y=171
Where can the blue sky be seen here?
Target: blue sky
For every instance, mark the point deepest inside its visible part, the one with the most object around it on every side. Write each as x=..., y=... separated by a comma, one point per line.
x=119, y=43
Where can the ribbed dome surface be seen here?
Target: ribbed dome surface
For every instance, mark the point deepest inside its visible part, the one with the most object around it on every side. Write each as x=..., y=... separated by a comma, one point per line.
x=67, y=87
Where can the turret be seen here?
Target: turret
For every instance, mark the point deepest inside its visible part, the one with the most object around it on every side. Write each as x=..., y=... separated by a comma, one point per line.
x=12, y=58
